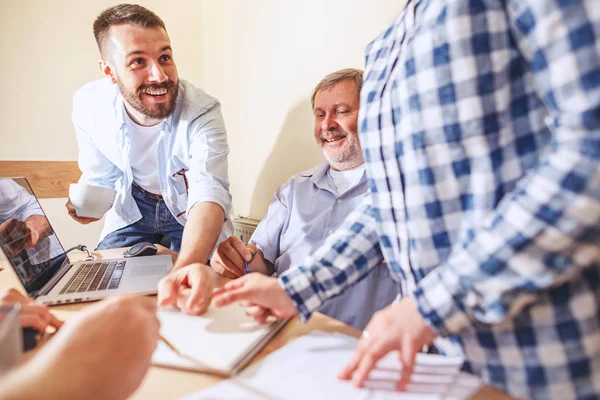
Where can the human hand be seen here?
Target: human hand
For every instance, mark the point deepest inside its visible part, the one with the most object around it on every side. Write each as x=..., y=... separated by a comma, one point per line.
x=228, y=260
x=39, y=228
x=32, y=314
x=103, y=353
x=397, y=327
x=262, y=294
x=188, y=288
x=16, y=235
x=73, y=214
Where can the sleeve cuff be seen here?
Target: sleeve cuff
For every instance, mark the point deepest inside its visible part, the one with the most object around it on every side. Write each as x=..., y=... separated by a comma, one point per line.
x=437, y=302
x=298, y=287
x=221, y=199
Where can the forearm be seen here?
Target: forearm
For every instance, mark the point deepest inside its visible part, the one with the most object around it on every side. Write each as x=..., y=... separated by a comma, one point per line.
x=17, y=385
x=30, y=382
x=204, y=224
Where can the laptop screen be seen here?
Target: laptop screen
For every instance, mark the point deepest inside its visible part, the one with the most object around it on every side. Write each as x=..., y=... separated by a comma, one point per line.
x=26, y=237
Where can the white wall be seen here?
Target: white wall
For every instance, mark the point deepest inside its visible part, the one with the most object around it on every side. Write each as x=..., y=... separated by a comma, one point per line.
x=262, y=58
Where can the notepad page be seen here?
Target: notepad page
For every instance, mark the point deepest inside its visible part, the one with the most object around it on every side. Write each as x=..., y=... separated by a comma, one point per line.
x=307, y=369
x=213, y=342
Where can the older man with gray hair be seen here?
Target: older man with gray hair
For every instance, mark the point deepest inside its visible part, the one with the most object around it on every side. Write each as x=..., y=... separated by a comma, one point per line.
x=314, y=203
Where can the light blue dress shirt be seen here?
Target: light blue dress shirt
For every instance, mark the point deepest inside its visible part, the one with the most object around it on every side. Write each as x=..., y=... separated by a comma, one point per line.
x=303, y=212
x=192, y=138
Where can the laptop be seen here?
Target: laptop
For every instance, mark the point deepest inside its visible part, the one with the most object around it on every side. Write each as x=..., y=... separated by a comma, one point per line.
x=39, y=260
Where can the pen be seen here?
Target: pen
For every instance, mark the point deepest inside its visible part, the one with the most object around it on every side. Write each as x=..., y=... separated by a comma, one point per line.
x=246, y=266
x=170, y=345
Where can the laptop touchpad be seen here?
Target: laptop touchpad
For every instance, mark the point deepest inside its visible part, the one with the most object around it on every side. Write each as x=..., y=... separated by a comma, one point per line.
x=149, y=270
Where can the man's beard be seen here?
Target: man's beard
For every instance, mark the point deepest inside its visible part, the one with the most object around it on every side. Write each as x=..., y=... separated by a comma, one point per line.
x=136, y=99
x=348, y=157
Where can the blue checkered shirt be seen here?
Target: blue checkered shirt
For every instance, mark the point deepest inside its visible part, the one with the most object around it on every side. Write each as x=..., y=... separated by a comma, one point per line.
x=480, y=126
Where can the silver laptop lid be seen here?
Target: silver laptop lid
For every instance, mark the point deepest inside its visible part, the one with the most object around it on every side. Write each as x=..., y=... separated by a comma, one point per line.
x=26, y=237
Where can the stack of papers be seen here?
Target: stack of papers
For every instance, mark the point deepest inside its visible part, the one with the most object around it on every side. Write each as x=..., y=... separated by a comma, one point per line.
x=308, y=368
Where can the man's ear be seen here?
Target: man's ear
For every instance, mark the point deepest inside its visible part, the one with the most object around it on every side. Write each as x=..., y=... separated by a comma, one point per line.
x=107, y=70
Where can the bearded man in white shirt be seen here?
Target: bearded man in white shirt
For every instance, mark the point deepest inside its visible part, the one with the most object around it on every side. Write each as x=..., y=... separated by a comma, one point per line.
x=157, y=140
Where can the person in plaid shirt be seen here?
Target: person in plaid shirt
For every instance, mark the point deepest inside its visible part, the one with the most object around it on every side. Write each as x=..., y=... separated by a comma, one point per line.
x=480, y=127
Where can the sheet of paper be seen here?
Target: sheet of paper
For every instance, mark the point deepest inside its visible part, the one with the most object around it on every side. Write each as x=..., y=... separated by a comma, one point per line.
x=307, y=369
x=211, y=342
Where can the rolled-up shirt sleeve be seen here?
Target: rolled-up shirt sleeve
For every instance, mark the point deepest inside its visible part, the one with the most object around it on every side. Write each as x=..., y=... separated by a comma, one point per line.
x=207, y=176
x=95, y=168
x=267, y=236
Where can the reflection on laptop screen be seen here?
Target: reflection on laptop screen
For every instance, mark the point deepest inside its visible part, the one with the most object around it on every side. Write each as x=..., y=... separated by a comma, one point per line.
x=26, y=237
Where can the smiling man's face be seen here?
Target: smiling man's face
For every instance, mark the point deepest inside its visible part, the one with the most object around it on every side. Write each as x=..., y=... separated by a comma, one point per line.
x=336, y=124
x=140, y=61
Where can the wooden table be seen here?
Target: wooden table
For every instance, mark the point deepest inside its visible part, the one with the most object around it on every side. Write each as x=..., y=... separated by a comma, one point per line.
x=163, y=383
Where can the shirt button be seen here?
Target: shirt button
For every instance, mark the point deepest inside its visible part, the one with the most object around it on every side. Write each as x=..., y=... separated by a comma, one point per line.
x=339, y=201
x=330, y=232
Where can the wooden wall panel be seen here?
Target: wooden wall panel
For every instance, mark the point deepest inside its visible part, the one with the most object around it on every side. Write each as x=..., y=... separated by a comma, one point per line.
x=49, y=179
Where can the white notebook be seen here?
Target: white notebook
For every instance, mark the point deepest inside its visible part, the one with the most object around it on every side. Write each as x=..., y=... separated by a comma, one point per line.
x=223, y=340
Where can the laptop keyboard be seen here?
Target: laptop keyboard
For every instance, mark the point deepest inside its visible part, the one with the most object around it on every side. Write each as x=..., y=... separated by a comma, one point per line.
x=95, y=276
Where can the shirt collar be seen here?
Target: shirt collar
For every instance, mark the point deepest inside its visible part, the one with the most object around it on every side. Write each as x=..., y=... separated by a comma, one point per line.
x=319, y=177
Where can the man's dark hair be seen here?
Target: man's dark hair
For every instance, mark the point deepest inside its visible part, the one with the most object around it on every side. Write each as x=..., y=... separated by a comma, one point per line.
x=131, y=14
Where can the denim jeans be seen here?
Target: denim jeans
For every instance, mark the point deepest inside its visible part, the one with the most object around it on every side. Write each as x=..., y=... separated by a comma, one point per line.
x=156, y=224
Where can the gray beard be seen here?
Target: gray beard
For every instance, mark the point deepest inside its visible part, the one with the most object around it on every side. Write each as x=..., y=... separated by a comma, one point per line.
x=348, y=159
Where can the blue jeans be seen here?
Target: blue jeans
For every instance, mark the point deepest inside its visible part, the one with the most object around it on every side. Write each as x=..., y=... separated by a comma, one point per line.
x=156, y=224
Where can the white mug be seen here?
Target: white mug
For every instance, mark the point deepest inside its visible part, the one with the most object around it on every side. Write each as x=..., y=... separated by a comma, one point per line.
x=91, y=201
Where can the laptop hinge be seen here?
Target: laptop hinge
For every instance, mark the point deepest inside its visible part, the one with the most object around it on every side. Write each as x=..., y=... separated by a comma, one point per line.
x=52, y=282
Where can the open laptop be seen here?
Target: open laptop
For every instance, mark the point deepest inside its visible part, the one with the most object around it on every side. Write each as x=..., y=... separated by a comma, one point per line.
x=43, y=267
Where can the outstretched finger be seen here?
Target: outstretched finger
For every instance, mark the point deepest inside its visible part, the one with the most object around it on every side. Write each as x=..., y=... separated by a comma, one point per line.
x=370, y=358
x=349, y=369
x=232, y=296
x=406, y=357
x=235, y=284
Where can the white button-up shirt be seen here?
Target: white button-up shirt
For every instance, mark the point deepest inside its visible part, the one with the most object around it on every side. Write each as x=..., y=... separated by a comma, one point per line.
x=192, y=138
